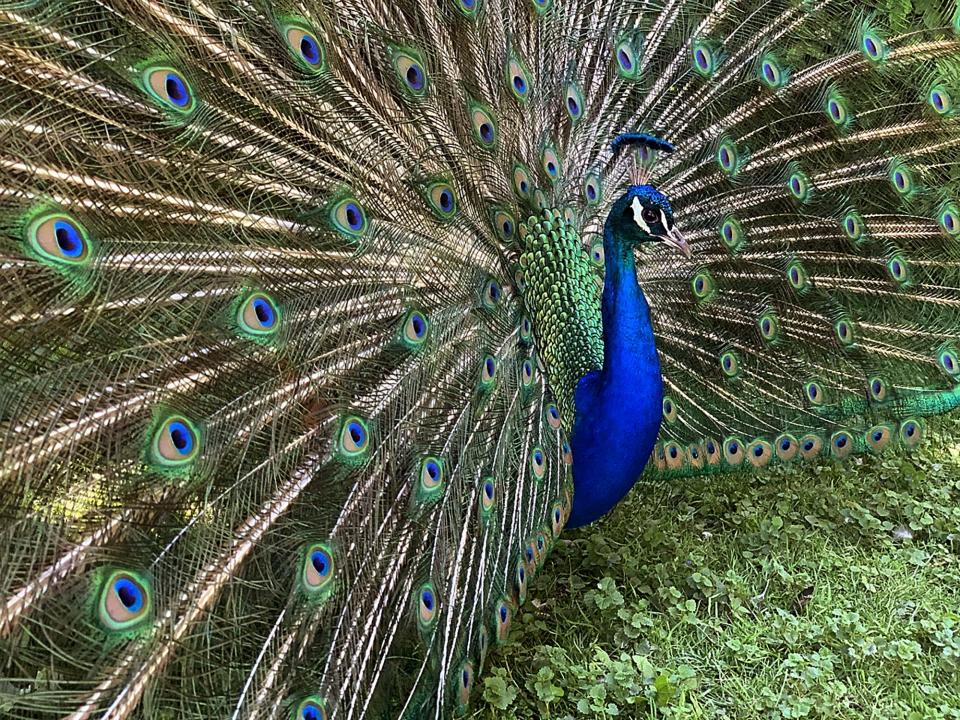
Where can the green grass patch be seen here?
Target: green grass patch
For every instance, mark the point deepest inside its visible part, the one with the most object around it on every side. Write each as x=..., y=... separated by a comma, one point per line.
x=827, y=591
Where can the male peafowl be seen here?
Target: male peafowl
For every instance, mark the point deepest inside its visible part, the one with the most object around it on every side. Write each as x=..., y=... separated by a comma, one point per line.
x=320, y=320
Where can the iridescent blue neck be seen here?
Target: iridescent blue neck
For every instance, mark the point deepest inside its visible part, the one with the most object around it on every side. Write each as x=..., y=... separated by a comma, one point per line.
x=618, y=409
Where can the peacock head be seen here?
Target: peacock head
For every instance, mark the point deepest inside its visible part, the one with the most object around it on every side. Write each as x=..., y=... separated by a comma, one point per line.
x=643, y=215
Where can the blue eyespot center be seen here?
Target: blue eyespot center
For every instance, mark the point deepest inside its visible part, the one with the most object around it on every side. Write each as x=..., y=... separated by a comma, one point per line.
x=419, y=326
x=176, y=90
x=503, y=613
x=758, y=451
x=519, y=84
x=899, y=179
x=573, y=106
x=841, y=441
x=507, y=228
x=877, y=436
x=465, y=677
x=870, y=45
x=68, y=238
x=488, y=490
x=591, y=192
x=768, y=72
x=320, y=562
x=910, y=429
x=129, y=594
x=538, y=457
x=733, y=447
x=490, y=366
x=701, y=58
x=433, y=470
x=625, y=62
x=711, y=448
x=415, y=77
x=426, y=597
x=354, y=216
x=309, y=50
x=808, y=445
x=486, y=132
x=673, y=452
x=181, y=437
x=264, y=312
x=876, y=387
x=785, y=444
x=310, y=713
x=446, y=201
x=357, y=433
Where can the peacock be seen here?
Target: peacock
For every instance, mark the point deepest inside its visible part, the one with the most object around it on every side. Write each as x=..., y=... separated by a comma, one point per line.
x=322, y=319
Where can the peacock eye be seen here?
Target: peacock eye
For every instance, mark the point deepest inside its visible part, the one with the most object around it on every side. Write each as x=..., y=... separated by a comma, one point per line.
x=175, y=442
x=61, y=238
x=649, y=215
x=125, y=601
x=170, y=88
x=304, y=46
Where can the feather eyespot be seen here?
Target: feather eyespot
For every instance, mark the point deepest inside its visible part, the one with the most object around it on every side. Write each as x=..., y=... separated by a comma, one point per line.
x=488, y=372
x=502, y=618
x=949, y=360
x=556, y=519
x=673, y=455
x=799, y=185
x=349, y=218
x=484, y=126
x=170, y=88
x=304, y=47
x=414, y=329
x=596, y=253
x=873, y=46
x=853, y=226
x=841, y=444
x=258, y=315
x=592, y=189
x=901, y=177
x=878, y=437
x=574, y=101
x=838, y=110
x=712, y=448
x=176, y=443
x=625, y=58
x=911, y=432
x=521, y=581
x=949, y=219
x=786, y=447
x=522, y=184
x=505, y=225
x=354, y=437
x=845, y=333
x=550, y=162
x=759, y=453
x=899, y=270
x=732, y=234
x=311, y=708
x=769, y=327
x=410, y=71
x=733, y=451
x=940, y=100
x=318, y=570
x=538, y=463
x=487, y=496
x=427, y=605
x=518, y=79
x=442, y=200
x=728, y=158
x=877, y=388
x=730, y=364
x=669, y=409
x=566, y=453
x=542, y=6
x=705, y=58
x=464, y=683
x=797, y=276
x=431, y=474
x=702, y=285
x=60, y=238
x=526, y=373
x=126, y=601
x=492, y=294
x=771, y=73
x=814, y=392
x=526, y=330
x=810, y=446
x=553, y=416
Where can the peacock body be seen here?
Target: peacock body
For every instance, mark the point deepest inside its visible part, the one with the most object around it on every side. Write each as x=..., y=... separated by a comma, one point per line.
x=321, y=320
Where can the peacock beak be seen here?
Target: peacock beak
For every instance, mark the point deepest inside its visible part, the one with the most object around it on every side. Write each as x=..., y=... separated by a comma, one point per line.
x=677, y=241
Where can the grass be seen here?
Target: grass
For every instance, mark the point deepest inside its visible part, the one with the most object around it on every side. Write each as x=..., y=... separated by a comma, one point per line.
x=812, y=592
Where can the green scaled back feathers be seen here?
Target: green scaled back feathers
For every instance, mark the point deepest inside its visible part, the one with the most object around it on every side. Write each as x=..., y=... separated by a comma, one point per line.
x=285, y=377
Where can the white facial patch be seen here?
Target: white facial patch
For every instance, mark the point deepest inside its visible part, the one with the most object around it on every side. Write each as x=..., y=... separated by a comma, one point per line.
x=637, y=208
